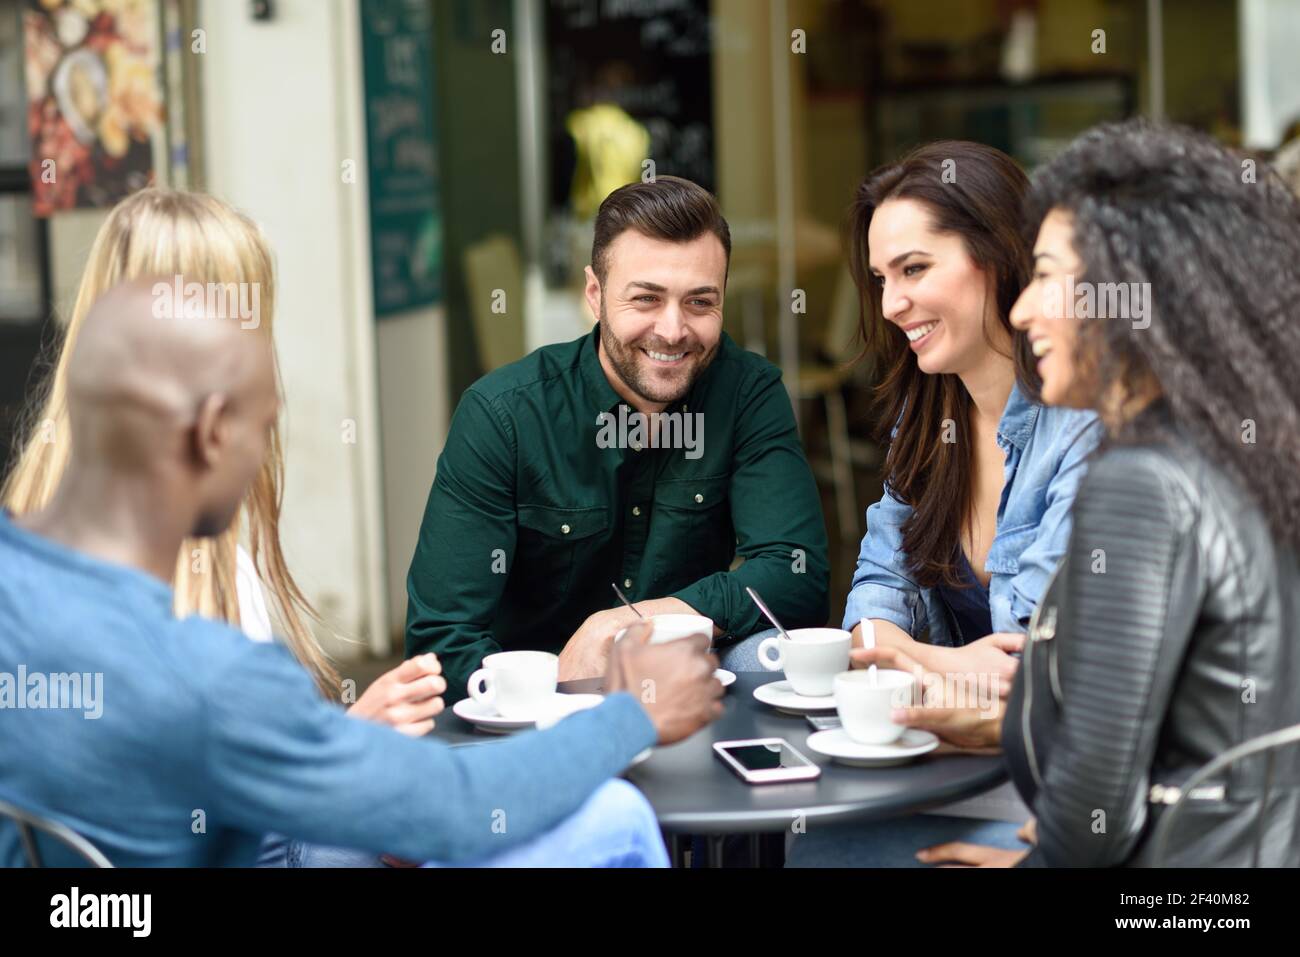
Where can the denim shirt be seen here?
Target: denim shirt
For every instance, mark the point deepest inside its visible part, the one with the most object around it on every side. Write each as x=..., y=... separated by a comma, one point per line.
x=1046, y=451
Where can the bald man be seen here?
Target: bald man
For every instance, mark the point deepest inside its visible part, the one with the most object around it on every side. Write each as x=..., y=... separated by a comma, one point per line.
x=181, y=742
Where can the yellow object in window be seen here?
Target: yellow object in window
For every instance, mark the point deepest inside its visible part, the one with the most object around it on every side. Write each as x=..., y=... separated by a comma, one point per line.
x=611, y=147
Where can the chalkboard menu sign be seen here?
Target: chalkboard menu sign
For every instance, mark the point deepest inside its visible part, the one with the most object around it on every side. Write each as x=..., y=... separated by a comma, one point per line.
x=405, y=214
x=650, y=57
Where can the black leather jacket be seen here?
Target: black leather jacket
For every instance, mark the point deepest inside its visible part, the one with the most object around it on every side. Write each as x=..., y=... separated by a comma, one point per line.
x=1169, y=633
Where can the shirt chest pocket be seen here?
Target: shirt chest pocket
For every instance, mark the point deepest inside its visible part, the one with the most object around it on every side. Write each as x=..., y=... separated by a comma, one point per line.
x=694, y=516
x=550, y=541
x=1007, y=547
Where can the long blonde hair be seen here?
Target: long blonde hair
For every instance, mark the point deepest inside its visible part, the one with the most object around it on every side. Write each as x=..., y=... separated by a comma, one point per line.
x=165, y=232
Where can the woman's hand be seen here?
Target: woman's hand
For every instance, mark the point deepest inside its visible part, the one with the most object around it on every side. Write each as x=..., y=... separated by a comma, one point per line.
x=961, y=854
x=406, y=698
x=969, y=728
x=988, y=660
x=889, y=635
x=962, y=713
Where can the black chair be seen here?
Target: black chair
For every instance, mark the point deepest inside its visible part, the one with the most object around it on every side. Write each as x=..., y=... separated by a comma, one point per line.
x=28, y=824
x=1271, y=742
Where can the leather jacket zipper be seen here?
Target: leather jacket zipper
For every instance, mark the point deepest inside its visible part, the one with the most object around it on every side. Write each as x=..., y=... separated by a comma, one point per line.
x=1168, y=794
x=1038, y=631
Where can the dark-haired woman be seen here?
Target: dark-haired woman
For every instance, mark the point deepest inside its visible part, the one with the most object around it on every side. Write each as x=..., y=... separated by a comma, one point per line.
x=1167, y=636
x=979, y=477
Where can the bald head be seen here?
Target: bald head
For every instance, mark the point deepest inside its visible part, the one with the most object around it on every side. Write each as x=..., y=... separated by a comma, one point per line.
x=161, y=391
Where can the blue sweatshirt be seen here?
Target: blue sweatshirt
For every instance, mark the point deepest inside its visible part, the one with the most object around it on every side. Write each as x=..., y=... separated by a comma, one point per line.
x=180, y=742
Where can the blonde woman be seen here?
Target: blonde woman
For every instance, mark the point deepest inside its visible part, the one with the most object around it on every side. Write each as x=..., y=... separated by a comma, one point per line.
x=162, y=232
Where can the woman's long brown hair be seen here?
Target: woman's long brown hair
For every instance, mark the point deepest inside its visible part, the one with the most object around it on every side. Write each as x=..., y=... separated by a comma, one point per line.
x=980, y=202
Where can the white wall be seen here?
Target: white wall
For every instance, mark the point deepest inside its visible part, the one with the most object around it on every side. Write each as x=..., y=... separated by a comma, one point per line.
x=72, y=233
x=282, y=111
x=1270, y=86
x=414, y=408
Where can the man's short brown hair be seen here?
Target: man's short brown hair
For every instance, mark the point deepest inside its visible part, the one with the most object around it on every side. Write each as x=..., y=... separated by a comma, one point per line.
x=668, y=207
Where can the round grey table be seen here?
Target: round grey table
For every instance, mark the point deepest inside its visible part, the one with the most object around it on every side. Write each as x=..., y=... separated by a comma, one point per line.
x=693, y=792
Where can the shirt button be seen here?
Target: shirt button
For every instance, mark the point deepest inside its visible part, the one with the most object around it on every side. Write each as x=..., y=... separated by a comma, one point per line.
x=683, y=406
x=699, y=499
x=636, y=509
x=627, y=583
x=565, y=529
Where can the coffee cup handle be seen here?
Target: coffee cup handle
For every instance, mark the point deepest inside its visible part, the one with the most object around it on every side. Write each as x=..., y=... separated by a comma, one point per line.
x=769, y=663
x=488, y=693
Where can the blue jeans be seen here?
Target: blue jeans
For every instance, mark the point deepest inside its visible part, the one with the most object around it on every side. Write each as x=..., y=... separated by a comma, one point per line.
x=894, y=843
x=616, y=827
x=743, y=655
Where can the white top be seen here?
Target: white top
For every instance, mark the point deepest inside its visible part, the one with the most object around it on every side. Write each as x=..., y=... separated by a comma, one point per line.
x=254, y=619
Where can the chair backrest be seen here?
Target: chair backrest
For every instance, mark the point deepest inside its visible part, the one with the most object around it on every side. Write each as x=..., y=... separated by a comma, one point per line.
x=29, y=824
x=493, y=274
x=1272, y=742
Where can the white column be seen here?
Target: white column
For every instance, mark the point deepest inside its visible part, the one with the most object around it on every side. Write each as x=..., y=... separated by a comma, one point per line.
x=282, y=112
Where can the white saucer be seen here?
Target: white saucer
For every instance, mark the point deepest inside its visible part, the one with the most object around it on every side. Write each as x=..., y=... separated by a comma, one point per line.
x=485, y=717
x=780, y=695
x=837, y=744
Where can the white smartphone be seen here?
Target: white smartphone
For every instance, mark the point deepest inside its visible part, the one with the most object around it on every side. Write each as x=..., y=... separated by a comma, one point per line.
x=766, y=760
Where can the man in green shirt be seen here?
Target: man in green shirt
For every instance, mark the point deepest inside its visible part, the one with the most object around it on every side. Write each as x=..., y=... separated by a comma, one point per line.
x=650, y=453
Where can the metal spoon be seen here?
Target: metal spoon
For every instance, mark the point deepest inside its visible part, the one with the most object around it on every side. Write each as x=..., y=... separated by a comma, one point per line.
x=766, y=611
x=619, y=592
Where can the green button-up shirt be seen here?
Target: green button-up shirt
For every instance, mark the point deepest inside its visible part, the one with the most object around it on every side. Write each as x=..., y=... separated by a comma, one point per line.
x=540, y=501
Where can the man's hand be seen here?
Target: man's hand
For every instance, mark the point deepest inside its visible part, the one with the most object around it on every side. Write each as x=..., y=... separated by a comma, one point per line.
x=989, y=659
x=586, y=654
x=961, y=854
x=673, y=681
x=406, y=698
x=965, y=714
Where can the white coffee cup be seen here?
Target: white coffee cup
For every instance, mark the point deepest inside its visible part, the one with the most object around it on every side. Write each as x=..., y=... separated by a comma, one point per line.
x=811, y=658
x=519, y=684
x=671, y=627
x=864, y=702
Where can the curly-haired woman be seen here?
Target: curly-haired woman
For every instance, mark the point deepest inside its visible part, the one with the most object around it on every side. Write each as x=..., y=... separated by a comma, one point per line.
x=1167, y=636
